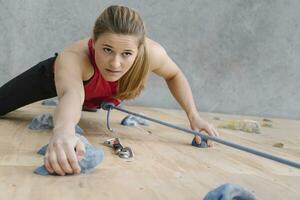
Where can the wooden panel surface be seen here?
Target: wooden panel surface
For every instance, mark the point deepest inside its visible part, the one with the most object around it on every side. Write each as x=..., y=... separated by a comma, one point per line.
x=165, y=165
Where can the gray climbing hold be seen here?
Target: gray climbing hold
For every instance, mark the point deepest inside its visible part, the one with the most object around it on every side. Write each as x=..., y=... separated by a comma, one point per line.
x=50, y=102
x=42, y=171
x=229, y=191
x=127, y=121
x=203, y=143
x=93, y=156
x=131, y=120
x=45, y=121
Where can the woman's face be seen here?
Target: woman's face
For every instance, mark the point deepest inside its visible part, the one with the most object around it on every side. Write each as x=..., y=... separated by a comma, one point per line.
x=115, y=54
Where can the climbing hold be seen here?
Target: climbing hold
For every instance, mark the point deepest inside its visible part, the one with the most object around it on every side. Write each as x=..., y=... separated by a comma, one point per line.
x=131, y=120
x=203, y=143
x=45, y=121
x=50, y=102
x=93, y=156
x=278, y=145
x=229, y=191
x=245, y=125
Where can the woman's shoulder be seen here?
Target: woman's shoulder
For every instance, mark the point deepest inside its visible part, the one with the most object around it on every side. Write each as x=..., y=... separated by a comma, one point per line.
x=153, y=46
x=79, y=53
x=157, y=53
x=78, y=50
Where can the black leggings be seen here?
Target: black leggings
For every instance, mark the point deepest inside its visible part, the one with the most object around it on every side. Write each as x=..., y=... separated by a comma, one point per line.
x=33, y=85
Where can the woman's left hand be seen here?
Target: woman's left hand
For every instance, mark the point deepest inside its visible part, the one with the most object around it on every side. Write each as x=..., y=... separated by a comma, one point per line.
x=199, y=124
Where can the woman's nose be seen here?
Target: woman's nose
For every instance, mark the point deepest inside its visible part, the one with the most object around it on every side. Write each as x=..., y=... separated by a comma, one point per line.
x=115, y=62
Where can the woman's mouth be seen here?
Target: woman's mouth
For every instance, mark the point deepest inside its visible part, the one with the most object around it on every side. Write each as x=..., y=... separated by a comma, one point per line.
x=113, y=71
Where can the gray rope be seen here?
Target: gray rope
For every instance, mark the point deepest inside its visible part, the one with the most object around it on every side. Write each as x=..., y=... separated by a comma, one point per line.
x=108, y=120
x=110, y=106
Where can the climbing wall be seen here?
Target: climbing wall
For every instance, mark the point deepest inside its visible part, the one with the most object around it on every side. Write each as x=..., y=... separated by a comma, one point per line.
x=165, y=165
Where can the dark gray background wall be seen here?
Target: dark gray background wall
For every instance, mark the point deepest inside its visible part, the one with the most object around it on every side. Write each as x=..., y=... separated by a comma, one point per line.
x=240, y=56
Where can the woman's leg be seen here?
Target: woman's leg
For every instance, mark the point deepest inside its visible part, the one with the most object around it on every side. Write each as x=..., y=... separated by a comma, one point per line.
x=33, y=85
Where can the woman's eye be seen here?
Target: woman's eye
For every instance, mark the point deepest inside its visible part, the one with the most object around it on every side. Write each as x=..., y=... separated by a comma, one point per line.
x=126, y=54
x=107, y=50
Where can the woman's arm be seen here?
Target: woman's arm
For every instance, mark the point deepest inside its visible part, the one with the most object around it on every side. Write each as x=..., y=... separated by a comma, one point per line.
x=61, y=157
x=70, y=92
x=164, y=66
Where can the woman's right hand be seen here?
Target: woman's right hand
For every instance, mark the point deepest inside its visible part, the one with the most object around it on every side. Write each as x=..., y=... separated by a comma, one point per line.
x=61, y=156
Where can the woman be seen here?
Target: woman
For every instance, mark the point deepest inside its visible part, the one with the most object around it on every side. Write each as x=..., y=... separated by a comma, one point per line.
x=112, y=65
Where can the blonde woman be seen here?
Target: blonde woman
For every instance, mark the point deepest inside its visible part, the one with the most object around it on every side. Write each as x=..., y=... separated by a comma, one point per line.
x=112, y=65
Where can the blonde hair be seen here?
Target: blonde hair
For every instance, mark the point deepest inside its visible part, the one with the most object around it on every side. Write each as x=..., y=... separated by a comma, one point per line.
x=124, y=20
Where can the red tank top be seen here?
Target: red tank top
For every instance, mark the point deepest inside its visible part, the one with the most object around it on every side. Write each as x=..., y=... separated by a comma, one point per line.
x=97, y=89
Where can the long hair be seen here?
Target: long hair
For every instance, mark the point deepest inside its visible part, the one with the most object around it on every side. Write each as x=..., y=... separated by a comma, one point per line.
x=124, y=20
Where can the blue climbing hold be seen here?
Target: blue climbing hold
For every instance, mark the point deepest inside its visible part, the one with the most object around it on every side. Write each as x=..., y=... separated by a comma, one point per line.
x=229, y=191
x=93, y=156
x=203, y=143
x=45, y=121
x=131, y=120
